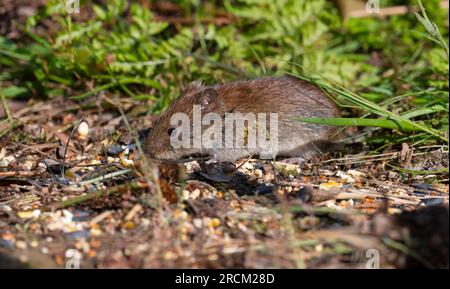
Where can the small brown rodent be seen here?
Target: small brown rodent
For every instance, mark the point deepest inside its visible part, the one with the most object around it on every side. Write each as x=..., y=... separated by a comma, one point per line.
x=288, y=96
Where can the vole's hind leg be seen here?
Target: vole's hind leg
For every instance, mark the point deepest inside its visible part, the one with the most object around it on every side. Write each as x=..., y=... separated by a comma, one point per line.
x=304, y=152
x=293, y=161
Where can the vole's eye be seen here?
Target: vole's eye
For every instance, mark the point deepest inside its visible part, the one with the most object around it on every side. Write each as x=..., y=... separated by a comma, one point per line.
x=170, y=131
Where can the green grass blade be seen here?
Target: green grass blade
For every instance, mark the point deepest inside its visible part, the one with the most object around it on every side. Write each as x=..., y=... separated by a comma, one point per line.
x=365, y=104
x=383, y=123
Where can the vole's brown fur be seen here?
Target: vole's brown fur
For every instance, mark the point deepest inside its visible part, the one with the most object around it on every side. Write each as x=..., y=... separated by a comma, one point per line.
x=288, y=96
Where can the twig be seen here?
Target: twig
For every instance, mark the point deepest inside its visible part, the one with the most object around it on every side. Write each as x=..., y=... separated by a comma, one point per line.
x=6, y=107
x=38, y=151
x=319, y=210
x=400, y=199
x=379, y=157
x=94, y=195
x=63, y=163
x=17, y=174
x=104, y=177
x=154, y=174
x=100, y=218
x=398, y=186
x=245, y=161
x=10, y=127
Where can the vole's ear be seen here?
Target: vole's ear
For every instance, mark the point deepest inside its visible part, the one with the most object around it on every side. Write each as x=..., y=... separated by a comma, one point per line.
x=210, y=100
x=193, y=87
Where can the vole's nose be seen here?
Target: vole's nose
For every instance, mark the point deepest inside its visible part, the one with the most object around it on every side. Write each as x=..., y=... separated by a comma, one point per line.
x=142, y=134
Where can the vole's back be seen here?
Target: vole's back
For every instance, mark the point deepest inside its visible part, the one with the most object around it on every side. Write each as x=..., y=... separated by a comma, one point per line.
x=291, y=98
x=284, y=94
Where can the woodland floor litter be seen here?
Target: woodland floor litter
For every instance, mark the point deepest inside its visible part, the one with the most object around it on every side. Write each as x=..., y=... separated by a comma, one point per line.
x=63, y=190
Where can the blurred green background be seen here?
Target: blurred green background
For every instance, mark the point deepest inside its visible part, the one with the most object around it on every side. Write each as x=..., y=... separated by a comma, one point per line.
x=384, y=69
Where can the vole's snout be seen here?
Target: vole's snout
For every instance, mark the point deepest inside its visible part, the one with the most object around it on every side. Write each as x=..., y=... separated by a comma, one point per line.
x=160, y=149
x=157, y=149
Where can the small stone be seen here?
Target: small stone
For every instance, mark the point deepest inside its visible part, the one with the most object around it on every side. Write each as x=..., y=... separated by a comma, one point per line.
x=258, y=173
x=27, y=165
x=248, y=166
x=21, y=244
x=126, y=150
x=145, y=222
x=392, y=175
x=198, y=223
x=326, y=173
x=25, y=214
x=5, y=161
x=128, y=225
x=5, y=208
x=95, y=162
x=331, y=204
x=345, y=177
x=215, y=222
x=393, y=211
x=186, y=194
x=330, y=186
x=169, y=255
x=83, y=130
x=195, y=194
x=213, y=257
x=347, y=203
x=67, y=215
x=355, y=173
x=36, y=213
x=95, y=232
x=127, y=162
